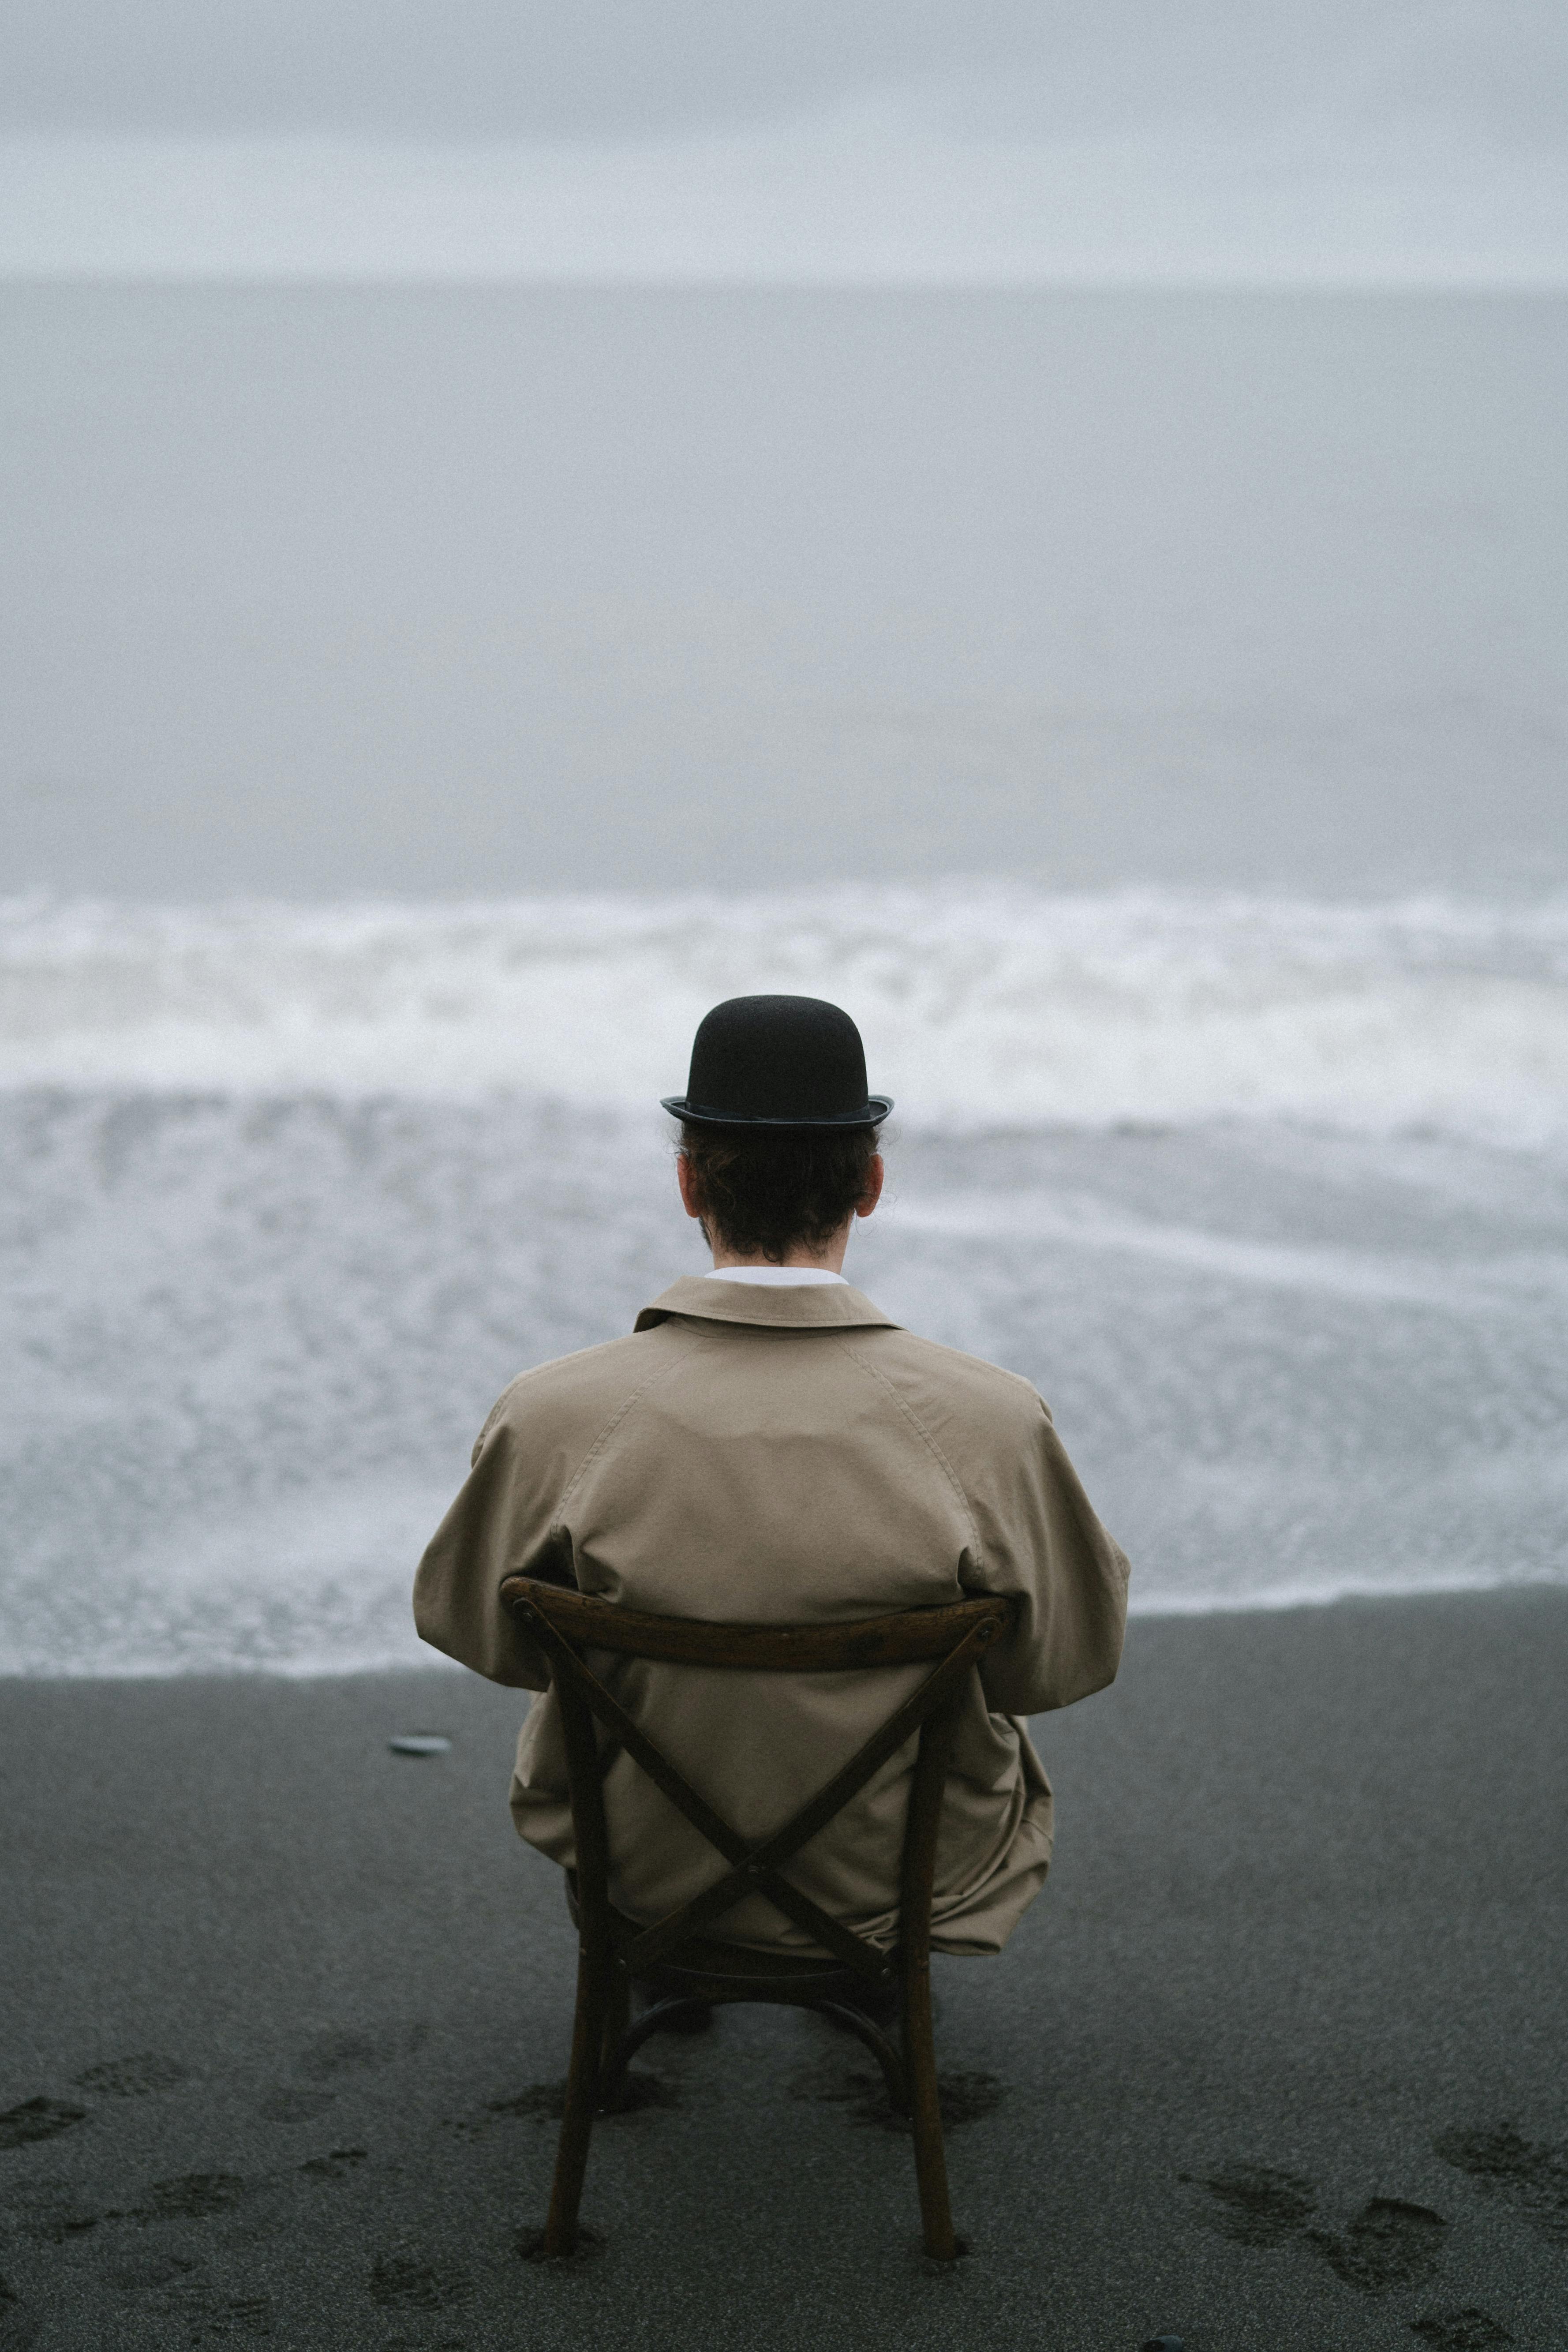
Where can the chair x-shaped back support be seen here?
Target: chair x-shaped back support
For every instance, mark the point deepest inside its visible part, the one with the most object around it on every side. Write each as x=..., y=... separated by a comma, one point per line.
x=675, y=1951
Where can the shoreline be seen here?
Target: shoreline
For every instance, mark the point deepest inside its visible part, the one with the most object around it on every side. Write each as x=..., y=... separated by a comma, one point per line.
x=1290, y=1604
x=1239, y=2075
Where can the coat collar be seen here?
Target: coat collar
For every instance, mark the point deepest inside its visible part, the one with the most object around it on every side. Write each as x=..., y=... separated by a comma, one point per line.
x=803, y=1306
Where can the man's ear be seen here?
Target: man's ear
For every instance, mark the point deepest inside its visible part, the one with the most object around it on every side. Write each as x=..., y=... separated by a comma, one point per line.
x=690, y=1192
x=876, y=1173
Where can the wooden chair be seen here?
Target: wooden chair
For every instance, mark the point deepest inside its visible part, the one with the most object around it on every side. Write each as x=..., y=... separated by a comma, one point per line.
x=687, y=1968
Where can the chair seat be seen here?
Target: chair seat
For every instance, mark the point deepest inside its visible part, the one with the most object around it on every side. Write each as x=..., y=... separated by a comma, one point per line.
x=710, y=1970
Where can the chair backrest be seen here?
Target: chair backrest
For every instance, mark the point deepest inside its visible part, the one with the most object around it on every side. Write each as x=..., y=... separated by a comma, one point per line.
x=567, y=1624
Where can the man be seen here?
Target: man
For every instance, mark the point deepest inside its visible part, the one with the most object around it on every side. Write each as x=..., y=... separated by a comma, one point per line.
x=768, y=1447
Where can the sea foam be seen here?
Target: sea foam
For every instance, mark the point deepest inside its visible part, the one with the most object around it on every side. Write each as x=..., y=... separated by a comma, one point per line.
x=980, y=1003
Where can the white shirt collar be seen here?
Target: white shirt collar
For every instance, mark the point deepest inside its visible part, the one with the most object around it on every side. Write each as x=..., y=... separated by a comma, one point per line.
x=779, y=1277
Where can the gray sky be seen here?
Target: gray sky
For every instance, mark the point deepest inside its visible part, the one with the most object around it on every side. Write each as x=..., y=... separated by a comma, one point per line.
x=620, y=69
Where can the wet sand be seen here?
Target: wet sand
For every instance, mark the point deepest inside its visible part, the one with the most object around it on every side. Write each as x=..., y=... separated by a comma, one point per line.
x=1276, y=2062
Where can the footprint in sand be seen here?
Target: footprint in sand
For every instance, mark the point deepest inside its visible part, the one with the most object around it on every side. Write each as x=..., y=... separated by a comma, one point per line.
x=353, y=2052
x=641, y=2092
x=1468, y=2330
x=52, y=2220
x=134, y=2078
x=863, y=2096
x=1389, y=2244
x=335, y=2166
x=36, y=2119
x=544, y=2100
x=192, y=2197
x=1532, y=2177
x=208, y=2312
x=344, y=2053
x=1258, y=2206
x=399, y=2285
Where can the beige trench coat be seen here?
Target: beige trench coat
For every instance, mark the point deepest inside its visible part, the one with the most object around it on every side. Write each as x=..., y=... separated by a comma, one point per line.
x=767, y=1455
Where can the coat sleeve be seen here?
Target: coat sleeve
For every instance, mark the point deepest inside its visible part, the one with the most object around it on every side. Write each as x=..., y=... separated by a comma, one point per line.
x=1041, y=1542
x=501, y=1525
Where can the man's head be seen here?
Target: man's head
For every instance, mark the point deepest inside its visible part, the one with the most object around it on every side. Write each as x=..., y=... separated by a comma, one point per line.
x=782, y=1198
x=778, y=1132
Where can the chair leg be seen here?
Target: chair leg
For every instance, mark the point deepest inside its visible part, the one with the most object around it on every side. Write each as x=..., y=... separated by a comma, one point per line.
x=617, y=2017
x=925, y=2114
x=578, y=2122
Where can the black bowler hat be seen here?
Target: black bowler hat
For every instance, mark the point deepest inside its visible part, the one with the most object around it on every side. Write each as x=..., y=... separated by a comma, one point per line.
x=778, y=1060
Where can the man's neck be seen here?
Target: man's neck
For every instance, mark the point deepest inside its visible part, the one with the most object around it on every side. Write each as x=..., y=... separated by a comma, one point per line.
x=798, y=1257
x=830, y=1261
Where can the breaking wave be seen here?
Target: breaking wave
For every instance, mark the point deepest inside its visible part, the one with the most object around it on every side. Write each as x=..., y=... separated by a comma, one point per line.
x=981, y=1004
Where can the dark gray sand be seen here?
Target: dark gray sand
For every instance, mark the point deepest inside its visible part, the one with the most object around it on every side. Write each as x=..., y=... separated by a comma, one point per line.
x=1278, y=2060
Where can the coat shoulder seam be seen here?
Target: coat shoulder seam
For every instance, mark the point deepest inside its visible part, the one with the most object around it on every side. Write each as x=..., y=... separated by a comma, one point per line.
x=925, y=1436
x=597, y=1448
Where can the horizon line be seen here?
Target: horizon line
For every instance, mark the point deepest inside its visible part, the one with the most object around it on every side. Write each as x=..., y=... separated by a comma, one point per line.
x=284, y=278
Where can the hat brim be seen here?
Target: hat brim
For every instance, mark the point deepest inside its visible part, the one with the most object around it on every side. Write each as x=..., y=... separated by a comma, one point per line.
x=873, y=1112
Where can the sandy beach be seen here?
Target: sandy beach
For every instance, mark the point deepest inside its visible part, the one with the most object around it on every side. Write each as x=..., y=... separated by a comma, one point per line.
x=1276, y=2062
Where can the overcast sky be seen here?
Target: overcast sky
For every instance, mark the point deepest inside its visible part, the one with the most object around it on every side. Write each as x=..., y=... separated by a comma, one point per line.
x=596, y=69
x=1347, y=138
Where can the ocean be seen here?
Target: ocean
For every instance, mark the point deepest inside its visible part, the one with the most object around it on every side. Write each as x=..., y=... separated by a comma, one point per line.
x=1146, y=714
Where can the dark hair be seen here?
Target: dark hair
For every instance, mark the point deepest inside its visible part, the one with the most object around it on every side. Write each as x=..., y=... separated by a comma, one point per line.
x=763, y=1189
